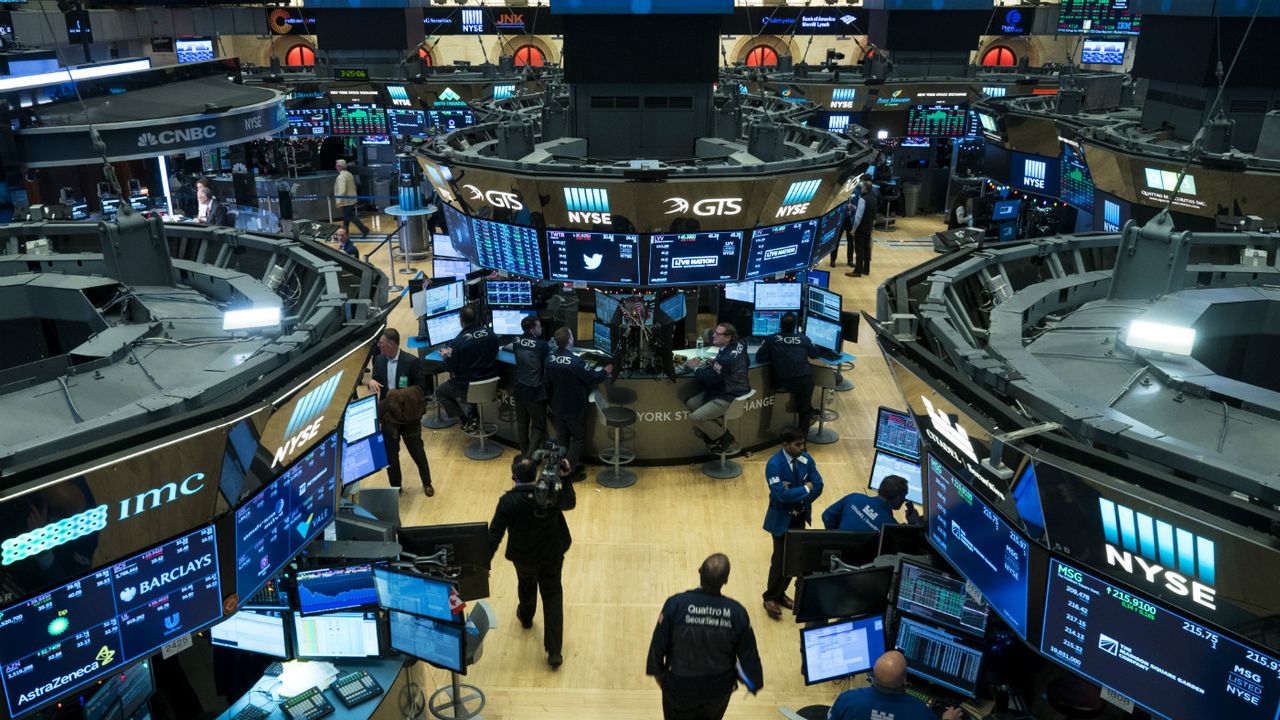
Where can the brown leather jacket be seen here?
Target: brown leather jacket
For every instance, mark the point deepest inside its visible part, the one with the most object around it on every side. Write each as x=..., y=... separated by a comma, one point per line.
x=403, y=405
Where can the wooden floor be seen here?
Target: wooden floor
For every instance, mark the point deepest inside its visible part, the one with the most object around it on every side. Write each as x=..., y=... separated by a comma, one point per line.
x=635, y=547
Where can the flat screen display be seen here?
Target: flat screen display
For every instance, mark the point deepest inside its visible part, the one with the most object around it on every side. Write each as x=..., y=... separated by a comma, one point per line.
x=778, y=296
x=818, y=278
x=277, y=522
x=258, y=631
x=602, y=337
x=415, y=594
x=742, y=292
x=1005, y=209
x=824, y=303
x=507, y=322
x=509, y=293
x=940, y=598
x=695, y=258
x=364, y=450
x=673, y=307
x=1104, y=17
x=1077, y=180
x=896, y=433
x=1034, y=173
x=766, y=322
x=407, y=123
x=513, y=248
x=336, y=635
x=338, y=588
x=829, y=233
x=443, y=298
x=361, y=119
x=432, y=641
x=1164, y=661
x=843, y=594
x=607, y=307
x=448, y=268
x=979, y=544
x=1102, y=52
x=596, y=258
x=780, y=249
x=450, y=120
x=926, y=121
x=842, y=649
x=940, y=657
x=442, y=246
x=886, y=465
x=192, y=50
x=823, y=333
x=443, y=328
x=121, y=695
x=78, y=632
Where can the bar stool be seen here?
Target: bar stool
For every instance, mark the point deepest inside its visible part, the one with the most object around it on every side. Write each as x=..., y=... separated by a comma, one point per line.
x=845, y=383
x=479, y=393
x=438, y=420
x=825, y=378
x=724, y=469
x=616, y=419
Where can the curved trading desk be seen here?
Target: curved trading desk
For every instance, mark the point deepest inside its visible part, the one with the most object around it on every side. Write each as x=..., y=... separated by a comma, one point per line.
x=663, y=433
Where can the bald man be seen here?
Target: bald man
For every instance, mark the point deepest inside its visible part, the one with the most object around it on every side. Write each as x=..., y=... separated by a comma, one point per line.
x=886, y=698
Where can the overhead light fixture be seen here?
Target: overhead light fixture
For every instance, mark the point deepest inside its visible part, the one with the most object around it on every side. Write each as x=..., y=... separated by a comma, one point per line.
x=882, y=134
x=1159, y=337
x=257, y=317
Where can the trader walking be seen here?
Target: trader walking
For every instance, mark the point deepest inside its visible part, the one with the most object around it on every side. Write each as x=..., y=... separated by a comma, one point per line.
x=345, y=197
x=794, y=483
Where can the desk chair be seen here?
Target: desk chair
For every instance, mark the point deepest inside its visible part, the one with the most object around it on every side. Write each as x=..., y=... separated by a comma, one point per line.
x=616, y=419
x=824, y=376
x=454, y=701
x=724, y=469
x=480, y=393
x=437, y=420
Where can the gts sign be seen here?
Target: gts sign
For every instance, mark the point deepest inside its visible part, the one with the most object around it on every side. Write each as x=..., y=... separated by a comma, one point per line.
x=1159, y=553
x=495, y=198
x=711, y=207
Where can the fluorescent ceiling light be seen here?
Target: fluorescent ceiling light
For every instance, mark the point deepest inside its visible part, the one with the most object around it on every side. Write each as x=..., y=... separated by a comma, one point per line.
x=251, y=318
x=1172, y=339
x=23, y=82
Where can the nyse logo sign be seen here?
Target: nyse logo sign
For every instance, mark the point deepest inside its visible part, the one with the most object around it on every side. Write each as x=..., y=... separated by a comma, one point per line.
x=472, y=21
x=1159, y=553
x=798, y=197
x=711, y=207
x=169, y=137
x=439, y=183
x=1033, y=173
x=842, y=98
x=496, y=198
x=253, y=123
x=1110, y=216
x=304, y=424
x=588, y=205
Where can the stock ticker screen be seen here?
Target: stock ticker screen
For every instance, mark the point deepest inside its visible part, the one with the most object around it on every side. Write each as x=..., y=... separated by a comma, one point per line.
x=597, y=258
x=507, y=247
x=1077, y=183
x=308, y=123
x=780, y=248
x=1103, y=17
x=1156, y=657
x=274, y=525
x=981, y=545
x=938, y=121
x=99, y=623
x=694, y=258
x=359, y=119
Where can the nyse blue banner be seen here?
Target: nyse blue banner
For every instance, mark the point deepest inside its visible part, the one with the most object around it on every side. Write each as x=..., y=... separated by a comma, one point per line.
x=644, y=7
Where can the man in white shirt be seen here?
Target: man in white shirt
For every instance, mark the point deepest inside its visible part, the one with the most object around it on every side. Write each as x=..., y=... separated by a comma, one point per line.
x=344, y=196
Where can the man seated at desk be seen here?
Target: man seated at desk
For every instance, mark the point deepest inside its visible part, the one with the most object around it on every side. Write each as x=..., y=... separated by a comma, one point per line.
x=722, y=380
x=470, y=357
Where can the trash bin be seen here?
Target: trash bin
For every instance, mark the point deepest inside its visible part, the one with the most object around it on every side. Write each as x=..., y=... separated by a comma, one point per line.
x=910, y=198
x=413, y=237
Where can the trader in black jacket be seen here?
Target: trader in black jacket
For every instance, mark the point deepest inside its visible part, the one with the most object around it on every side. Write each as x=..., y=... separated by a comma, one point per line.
x=790, y=352
x=531, y=390
x=571, y=383
x=392, y=367
x=722, y=380
x=701, y=639
x=539, y=539
x=471, y=356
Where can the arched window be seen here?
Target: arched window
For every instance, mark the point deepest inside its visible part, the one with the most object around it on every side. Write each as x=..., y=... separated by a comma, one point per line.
x=426, y=56
x=999, y=56
x=762, y=55
x=300, y=55
x=530, y=56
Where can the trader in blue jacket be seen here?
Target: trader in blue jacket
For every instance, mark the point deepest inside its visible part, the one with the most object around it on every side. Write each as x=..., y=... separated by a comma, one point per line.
x=868, y=513
x=794, y=483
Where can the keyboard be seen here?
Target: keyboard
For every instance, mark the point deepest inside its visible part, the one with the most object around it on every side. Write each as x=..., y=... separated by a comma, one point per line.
x=251, y=712
x=310, y=704
x=275, y=669
x=355, y=688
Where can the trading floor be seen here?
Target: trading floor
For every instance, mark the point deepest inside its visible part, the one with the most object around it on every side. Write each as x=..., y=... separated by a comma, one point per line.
x=633, y=548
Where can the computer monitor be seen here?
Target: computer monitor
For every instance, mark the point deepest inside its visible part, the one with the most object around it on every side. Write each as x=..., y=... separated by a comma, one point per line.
x=904, y=540
x=336, y=635
x=939, y=598
x=509, y=293
x=1006, y=231
x=673, y=308
x=417, y=594
x=328, y=590
x=466, y=558
x=843, y=594
x=1103, y=52
x=507, y=322
x=741, y=292
x=258, y=631
x=443, y=297
x=766, y=322
x=443, y=328
x=695, y=258
x=780, y=249
x=806, y=552
x=364, y=450
x=440, y=644
x=1026, y=498
x=896, y=433
x=886, y=465
x=940, y=657
x=824, y=304
x=818, y=278
x=607, y=307
x=824, y=333
x=602, y=337
x=1005, y=209
x=831, y=652
x=778, y=295
x=121, y=695
x=442, y=247
x=970, y=533
x=593, y=257
x=447, y=268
